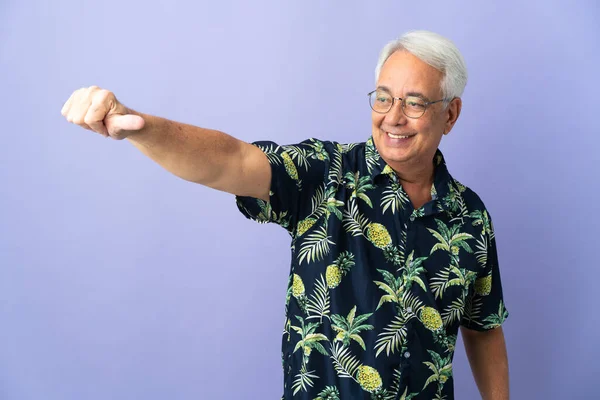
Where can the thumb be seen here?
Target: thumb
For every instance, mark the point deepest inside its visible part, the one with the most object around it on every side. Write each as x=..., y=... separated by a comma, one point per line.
x=129, y=122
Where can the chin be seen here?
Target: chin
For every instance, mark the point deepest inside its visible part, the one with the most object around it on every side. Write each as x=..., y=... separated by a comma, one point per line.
x=395, y=156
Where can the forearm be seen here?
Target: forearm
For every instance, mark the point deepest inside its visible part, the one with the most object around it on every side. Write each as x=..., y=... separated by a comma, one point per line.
x=206, y=156
x=487, y=356
x=192, y=153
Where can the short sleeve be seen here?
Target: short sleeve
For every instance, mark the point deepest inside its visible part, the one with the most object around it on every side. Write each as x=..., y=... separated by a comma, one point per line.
x=485, y=308
x=298, y=174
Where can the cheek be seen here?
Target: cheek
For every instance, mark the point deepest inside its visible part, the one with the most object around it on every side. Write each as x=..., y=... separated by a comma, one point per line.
x=425, y=126
x=433, y=124
x=376, y=118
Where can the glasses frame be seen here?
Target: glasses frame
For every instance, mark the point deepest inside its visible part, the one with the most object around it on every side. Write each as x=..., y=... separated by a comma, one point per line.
x=402, y=103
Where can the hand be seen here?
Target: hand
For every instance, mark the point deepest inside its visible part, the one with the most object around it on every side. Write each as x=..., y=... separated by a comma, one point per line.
x=99, y=110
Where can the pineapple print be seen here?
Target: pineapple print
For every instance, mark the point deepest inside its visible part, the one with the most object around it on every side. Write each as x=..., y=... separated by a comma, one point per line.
x=297, y=286
x=368, y=378
x=329, y=393
x=333, y=275
x=430, y=317
x=336, y=271
x=305, y=225
x=394, y=254
x=387, y=170
x=289, y=166
x=298, y=292
x=483, y=286
x=319, y=151
x=382, y=394
x=378, y=235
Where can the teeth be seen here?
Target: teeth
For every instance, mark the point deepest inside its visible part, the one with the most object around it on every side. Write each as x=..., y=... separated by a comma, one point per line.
x=397, y=136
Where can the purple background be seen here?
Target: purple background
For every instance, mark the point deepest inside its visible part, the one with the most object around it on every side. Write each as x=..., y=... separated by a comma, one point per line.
x=120, y=281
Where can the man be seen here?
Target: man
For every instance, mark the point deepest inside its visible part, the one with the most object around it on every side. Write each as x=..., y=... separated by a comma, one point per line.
x=390, y=254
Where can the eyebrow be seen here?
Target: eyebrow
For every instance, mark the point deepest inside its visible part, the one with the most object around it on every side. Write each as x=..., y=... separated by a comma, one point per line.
x=416, y=94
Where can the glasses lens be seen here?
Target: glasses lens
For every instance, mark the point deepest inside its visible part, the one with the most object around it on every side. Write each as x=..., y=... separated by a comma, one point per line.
x=414, y=107
x=381, y=102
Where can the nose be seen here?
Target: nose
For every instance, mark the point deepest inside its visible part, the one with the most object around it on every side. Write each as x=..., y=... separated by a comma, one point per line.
x=396, y=116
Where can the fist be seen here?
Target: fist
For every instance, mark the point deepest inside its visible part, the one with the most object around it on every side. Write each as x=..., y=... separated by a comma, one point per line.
x=98, y=110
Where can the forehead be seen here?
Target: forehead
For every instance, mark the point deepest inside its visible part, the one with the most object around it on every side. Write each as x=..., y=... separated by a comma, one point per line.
x=402, y=72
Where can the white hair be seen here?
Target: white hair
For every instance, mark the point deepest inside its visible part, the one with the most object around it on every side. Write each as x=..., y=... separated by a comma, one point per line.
x=435, y=50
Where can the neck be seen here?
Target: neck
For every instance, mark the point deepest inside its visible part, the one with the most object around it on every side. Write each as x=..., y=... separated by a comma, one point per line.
x=416, y=181
x=416, y=175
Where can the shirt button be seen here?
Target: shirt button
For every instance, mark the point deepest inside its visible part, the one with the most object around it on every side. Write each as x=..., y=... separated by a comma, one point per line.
x=409, y=309
x=406, y=354
x=412, y=218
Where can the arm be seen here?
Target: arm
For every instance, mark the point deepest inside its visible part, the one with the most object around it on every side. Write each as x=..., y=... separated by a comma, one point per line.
x=487, y=356
x=205, y=156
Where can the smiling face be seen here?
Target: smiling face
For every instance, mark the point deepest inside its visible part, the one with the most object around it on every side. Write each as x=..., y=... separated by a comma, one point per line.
x=407, y=143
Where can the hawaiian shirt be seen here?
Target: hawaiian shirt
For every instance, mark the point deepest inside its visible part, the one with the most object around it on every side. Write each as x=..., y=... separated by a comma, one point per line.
x=377, y=289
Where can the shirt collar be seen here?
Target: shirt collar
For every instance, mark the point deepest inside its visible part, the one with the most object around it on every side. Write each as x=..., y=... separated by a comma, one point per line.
x=445, y=190
x=376, y=165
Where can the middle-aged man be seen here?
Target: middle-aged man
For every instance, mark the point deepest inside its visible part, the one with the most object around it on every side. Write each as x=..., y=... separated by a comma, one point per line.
x=390, y=254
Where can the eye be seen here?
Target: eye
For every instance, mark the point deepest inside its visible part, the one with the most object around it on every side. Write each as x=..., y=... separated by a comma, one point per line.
x=415, y=102
x=380, y=101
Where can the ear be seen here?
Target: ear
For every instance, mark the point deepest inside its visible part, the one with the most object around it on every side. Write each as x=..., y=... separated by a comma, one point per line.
x=452, y=112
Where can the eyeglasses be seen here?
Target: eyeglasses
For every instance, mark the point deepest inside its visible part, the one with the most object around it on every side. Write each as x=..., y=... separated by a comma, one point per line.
x=412, y=106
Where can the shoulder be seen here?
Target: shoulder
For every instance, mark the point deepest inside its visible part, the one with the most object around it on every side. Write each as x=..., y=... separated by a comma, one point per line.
x=472, y=200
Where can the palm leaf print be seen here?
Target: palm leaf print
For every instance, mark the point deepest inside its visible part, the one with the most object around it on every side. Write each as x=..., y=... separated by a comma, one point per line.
x=392, y=288
x=412, y=302
x=482, y=251
x=439, y=282
x=347, y=147
x=453, y=312
x=315, y=246
x=359, y=186
x=299, y=155
x=350, y=327
x=345, y=364
x=354, y=223
x=393, y=336
x=372, y=158
x=462, y=210
x=318, y=305
x=450, y=239
x=406, y=396
x=411, y=271
x=271, y=153
x=397, y=379
x=393, y=198
x=473, y=309
x=304, y=380
x=335, y=169
x=318, y=202
x=495, y=320
x=441, y=368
